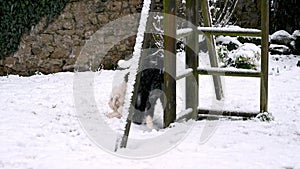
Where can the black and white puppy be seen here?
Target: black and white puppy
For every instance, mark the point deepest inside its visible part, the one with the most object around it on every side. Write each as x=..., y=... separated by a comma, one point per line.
x=149, y=91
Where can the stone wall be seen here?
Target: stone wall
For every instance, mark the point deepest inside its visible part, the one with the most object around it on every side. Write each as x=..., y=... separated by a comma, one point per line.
x=55, y=48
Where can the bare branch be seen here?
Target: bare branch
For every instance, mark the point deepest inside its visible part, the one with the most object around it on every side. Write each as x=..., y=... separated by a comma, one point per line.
x=224, y=11
x=229, y=13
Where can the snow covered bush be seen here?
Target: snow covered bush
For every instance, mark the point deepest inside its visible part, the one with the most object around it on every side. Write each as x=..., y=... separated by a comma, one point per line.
x=296, y=43
x=231, y=43
x=223, y=54
x=281, y=37
x=279, y=49
x=284, y=43
x=247, y=56
x=249, y=39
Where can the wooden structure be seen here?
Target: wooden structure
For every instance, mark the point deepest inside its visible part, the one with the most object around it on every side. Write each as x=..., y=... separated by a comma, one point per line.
x=193, y=69
x=170, y=61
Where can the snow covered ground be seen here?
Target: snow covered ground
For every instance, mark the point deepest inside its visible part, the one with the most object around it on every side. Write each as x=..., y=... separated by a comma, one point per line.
x=39, y=127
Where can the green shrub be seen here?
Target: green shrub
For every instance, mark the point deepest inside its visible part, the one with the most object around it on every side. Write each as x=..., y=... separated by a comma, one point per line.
x=245, y=57
x=245, y=62
x=19, y=16
x=223, y=54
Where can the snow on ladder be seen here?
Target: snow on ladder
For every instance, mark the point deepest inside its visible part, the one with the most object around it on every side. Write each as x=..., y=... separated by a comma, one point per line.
x=193, y=70
x=190, y=33
x=133, y=78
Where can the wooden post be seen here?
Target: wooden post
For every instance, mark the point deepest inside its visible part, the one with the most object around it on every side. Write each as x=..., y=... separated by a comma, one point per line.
x=170, y=61
x=264, y=55
x=211, y=48
x=192, y=59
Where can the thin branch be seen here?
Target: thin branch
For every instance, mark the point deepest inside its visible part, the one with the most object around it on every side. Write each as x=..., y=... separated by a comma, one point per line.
x=230, y=13
x=222, y=14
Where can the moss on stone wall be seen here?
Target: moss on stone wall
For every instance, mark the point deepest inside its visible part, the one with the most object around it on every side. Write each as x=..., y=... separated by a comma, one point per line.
x=18, y=17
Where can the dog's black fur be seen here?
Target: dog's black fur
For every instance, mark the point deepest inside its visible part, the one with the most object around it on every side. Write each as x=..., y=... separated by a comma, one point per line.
x=150, y=88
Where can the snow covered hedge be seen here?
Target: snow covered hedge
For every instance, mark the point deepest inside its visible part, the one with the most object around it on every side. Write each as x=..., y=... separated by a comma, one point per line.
x=247, y=56
x=244, y=52
x=281, y=42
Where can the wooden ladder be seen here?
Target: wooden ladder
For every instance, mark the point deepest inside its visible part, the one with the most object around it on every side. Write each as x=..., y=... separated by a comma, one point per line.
x=193, y=70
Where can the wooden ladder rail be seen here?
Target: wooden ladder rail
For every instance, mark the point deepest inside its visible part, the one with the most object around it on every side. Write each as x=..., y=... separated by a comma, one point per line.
x=263, y=74
x=211, y=44
x=192, y=60
x=169, y=61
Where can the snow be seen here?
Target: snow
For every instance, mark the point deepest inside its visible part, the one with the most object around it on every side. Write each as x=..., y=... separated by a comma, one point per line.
x=184, y=113
x=229, y=29
x=230, y=69
x=281, y=37
x=279, y=34
x=248, y=50
x=249, y=47
x=137, y=53
x=296, y=34
x=279, y=48
x=184, y=73
x=183, y=32
x=124, y=64
x=39, y=127
x=227, y=40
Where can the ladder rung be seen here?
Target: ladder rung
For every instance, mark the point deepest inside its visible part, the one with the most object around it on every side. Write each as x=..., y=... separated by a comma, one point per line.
x=229, y=31
x=219, y=31
x=181, y=33
x=218, y=117
x=228, y=72
x=227, y=113
x=184, y=73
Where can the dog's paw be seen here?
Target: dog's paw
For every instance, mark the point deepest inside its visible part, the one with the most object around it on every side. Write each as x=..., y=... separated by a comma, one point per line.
x=149, y=122
x=114, y=114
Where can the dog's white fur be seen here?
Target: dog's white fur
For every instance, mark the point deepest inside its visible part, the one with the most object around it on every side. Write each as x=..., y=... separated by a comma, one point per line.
x=117, y=99
x=116, y=103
